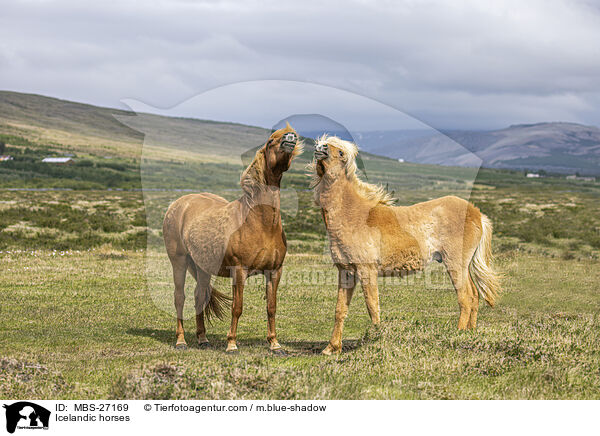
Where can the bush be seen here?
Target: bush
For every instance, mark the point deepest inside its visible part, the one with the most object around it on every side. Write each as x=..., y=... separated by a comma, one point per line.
x=85, y=163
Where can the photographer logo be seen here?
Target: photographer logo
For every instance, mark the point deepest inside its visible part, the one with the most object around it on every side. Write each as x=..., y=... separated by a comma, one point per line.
x=26, y=415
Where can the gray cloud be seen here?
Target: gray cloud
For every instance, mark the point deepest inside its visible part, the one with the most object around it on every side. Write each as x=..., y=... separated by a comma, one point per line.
x=465, y=64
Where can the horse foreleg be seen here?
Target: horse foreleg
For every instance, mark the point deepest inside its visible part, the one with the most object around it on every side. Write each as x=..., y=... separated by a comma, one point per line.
x=179, y=270
x=368, y=281
x=272, y=282
x=346, y=284
x=239, y=278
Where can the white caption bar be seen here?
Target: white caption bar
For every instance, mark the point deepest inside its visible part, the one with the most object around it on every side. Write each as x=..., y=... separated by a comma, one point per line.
x=162, y=417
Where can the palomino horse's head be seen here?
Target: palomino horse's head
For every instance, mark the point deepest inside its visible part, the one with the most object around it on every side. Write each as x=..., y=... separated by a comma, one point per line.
x=334, y=157
x=283, y=145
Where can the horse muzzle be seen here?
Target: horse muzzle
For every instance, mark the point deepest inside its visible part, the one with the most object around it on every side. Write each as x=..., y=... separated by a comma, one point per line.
x=288, y=142
x=321, y=151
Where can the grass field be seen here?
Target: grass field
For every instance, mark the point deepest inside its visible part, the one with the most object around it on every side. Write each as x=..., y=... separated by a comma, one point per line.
x=88, y=322
x=86, y=296
x=83, y=325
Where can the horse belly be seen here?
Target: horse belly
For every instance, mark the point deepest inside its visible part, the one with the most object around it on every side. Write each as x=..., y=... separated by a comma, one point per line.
x=399, y=261
x=399, y=251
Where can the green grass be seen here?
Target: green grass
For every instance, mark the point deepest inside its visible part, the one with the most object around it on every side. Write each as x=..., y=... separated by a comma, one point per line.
x=81, y=318
x=86, y=311
x=90, y=323
x=84, y=325
x=59, y=220
x=552, y=221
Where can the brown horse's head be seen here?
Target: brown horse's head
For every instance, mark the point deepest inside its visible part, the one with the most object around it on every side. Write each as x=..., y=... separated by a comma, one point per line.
x=283, y=145
x=272, y=160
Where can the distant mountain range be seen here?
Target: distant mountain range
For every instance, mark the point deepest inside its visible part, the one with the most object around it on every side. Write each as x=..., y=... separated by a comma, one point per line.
x=554, y=146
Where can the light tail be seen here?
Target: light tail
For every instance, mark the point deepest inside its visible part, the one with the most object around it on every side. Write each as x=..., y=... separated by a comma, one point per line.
x=485, y=278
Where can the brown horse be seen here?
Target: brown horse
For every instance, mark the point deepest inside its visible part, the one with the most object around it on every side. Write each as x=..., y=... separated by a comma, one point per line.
x=370, y=237
x=207, y=235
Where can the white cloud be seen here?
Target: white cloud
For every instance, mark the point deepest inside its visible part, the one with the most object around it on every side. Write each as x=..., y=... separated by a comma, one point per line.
x=465, y=64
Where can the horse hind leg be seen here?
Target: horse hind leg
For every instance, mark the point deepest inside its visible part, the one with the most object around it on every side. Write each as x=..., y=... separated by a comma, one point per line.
x=475, y=307
x=465, y=303
x=179, y=264
x=201, y=299
x=466, y=300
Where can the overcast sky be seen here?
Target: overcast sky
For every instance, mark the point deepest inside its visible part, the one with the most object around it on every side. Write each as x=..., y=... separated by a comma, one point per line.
x=450, y=64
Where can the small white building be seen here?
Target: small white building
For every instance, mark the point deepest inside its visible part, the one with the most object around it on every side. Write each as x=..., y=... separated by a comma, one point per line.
x=582, y=178
x=401, y=160
x=5, y=157
x=58, y=160
x=533, y=176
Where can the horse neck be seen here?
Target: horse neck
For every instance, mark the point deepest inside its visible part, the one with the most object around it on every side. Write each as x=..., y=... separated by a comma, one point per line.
x=263, y=206
x=340, y=196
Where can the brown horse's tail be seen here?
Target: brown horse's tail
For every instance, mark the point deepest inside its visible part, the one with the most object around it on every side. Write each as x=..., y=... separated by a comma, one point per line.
x=217, y=304
x=485, y=279
x=217, y=301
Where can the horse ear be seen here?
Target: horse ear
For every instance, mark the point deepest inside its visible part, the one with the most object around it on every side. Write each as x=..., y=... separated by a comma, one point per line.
x=287, y=125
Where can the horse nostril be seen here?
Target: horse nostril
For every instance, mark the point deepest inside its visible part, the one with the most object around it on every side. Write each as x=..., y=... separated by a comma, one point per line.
x=289, y=140
x=290, y=137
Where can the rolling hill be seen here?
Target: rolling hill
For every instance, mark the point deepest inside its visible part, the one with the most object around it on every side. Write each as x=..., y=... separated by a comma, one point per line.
x=119, y=149
x=92, y=129
x=96, y=131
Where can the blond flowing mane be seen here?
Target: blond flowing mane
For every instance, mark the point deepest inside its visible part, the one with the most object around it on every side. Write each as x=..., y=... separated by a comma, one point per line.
x=368, y=191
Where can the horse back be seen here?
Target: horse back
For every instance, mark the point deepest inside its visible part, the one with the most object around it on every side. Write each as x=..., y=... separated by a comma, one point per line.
x=448, y=224
x=191, y=214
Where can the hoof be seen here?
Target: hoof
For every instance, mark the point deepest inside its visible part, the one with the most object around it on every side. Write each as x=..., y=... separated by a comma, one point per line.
x=232, y=348
x=203, y=345
x=181, y=347
x=278, y=352
x=329, y=350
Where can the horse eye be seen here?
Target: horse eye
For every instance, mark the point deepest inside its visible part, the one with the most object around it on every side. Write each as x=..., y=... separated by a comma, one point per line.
x=341, y=154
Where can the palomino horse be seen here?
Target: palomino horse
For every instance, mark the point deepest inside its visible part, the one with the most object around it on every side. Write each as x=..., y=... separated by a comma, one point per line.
x=207, y=235
x=370, y=237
